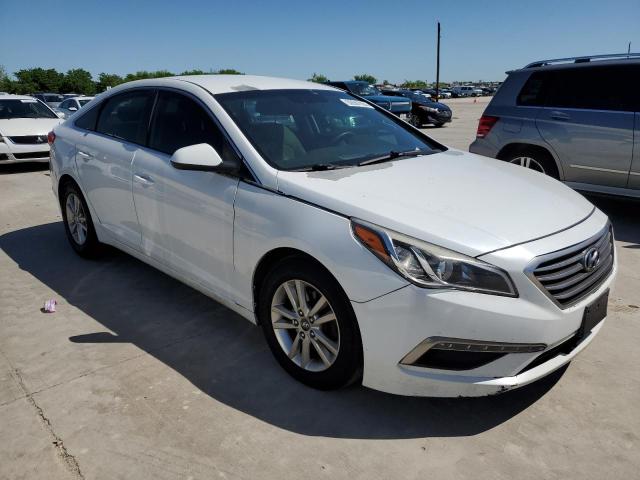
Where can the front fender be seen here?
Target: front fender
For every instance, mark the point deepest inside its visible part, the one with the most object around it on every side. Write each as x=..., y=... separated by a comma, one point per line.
x=266, y=220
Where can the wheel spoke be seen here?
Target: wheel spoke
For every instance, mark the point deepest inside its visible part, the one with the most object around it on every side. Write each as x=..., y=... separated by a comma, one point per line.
x=320, y=304
x=329, y=344
x=295, y=346
x=306, y=357
x=284, y=312
x=321, y=354
x=527, y=162
x=329, y=317
x=302, y=299
x=291, y=295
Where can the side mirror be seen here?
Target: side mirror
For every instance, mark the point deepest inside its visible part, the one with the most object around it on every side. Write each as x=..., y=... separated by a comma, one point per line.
x=201, y=156
x=61, y=115
x=73, y=109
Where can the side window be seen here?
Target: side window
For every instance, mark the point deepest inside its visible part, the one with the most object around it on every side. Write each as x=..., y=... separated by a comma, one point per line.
x=179, y=122
x=64, y=104
x=589, y=88
x=534, y=90
x=87, y=120
x=125, y=116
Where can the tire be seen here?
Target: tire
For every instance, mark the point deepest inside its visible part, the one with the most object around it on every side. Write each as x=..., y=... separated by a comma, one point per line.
x=414, y=120
x=78, y=224
x=340, y=362
x=534, y=159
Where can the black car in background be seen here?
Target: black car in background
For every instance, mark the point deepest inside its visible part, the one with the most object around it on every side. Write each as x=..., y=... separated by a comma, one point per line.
x=423, y=109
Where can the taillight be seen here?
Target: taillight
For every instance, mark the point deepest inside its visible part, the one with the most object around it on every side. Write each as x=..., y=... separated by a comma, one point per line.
x=51, y=137
x=485, y=125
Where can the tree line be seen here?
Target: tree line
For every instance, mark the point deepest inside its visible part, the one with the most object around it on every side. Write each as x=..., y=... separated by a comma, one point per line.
x=33, y=80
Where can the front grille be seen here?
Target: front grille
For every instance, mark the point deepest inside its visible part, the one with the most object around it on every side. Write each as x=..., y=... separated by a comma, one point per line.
x=567, y=276
x=27, y=155
x=29, y=139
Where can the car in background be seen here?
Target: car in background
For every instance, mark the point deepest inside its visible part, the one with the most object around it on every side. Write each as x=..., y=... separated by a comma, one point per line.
x=365, y=250
x=24, y=125
x=400, y=106
x=488, y=91
x=51, y=99
x=554, y=117
x=423, y=109
x=71, y=105
x=461, y=91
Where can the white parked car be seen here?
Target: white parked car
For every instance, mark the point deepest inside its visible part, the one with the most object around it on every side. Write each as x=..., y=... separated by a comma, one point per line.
x=71, y=105
x=24, y=125
x=464, y=91
x=365, y=250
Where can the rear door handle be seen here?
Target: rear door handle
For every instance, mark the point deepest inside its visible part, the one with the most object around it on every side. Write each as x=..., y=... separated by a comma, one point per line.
x=85, y=156
x=143, y=179
x=560, y=116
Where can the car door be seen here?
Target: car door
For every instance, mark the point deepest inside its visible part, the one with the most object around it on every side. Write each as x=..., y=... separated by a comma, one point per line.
x=104, y=158
x=589, y=124
x=186, y=217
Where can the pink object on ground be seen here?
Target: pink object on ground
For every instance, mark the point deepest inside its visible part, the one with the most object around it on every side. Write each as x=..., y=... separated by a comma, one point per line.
x=50, y=306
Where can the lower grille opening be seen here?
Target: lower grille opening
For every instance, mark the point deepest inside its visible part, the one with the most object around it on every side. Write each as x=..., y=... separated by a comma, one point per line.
x=4, y=156
x=456, y=360
x=23, y=156
x=564, y=348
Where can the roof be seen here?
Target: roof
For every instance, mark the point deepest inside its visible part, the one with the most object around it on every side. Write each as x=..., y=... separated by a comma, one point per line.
x=10, y=96
x=237, y=83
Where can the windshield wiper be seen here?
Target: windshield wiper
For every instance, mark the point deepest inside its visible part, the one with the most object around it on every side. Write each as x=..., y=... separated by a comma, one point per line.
x=318, y=167
x=390, y=156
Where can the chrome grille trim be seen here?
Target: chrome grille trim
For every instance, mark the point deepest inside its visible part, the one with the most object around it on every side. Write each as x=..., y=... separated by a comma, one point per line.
x=29, y=139
x=561, y=275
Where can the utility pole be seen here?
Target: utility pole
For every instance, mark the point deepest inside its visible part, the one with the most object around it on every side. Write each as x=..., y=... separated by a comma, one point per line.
x=438, y=66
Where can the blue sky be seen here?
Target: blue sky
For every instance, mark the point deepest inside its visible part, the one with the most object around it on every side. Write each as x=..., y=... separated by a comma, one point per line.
x=393, y=40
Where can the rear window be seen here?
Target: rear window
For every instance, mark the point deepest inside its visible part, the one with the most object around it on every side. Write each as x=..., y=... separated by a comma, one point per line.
x=126, y=116
x=532, y=94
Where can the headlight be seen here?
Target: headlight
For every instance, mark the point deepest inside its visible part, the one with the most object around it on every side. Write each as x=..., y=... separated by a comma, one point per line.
x=429, y=109
x=430, y=266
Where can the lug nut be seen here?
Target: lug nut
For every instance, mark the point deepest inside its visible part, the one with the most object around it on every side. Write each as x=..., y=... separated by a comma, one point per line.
x=301, y=334
x=295, y=322
x=312, y=334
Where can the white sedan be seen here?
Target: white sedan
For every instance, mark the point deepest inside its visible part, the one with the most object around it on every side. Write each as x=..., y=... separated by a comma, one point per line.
x=364, y=249
x=71, y=105
x=24, y=125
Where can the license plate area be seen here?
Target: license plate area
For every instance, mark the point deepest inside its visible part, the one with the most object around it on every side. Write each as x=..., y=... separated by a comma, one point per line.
x=594, y=313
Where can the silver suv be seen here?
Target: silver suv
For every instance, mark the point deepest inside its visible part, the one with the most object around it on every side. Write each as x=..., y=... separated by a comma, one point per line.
x=575, y=119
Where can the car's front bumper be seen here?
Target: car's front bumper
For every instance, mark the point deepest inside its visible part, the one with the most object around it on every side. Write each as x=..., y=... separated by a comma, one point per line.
x=17, y=153
x=394, y=324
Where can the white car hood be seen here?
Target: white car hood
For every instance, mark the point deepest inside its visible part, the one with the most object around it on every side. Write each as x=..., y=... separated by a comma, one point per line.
x=16, y=127
x=465, y=202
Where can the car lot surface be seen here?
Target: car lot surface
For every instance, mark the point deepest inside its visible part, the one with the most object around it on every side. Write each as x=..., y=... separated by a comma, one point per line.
x=138, y=376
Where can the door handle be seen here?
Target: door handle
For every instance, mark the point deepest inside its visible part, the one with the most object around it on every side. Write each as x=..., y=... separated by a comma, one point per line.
x=84, y=155
x=560, y=116
x=143, y=179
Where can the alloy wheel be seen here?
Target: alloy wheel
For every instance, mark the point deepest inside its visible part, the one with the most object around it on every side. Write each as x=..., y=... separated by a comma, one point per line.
x=76, y=218
x=528, y=162
x=305, y=325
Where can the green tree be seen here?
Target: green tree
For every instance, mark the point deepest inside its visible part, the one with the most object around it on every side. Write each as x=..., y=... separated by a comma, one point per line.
x=415, y=84
x=32, y=80
x=108, y=80
x=229, y=71
x=365, y=77
x=195, y=71
x=318, y=78
x=78, y=81
x=142, y=74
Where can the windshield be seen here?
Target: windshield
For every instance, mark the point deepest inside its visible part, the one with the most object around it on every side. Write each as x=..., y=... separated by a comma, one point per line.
x=363, y=89
x=53, y=98
x=84, y=102
x=29, y=108
x=297, y=129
